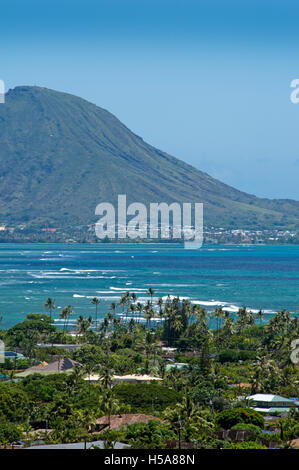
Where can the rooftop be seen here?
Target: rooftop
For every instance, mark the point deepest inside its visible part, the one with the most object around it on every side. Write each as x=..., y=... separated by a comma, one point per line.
x=269, y=398
x=77, y=445
x=63, y=365
x=137, y=377
x=128, y=377
x=60, y=346
x=116, y=421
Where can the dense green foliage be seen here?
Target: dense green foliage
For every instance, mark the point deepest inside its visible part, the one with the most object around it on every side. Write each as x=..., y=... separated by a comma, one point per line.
x=14, y=403
x=10, y=433
x=229, y=418
x=146, y=397
x=151, y=435
x=239, y=356
x=235, y=356
x=256, y=430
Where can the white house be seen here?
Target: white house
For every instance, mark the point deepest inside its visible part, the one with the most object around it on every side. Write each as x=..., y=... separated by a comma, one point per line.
x=268, y=403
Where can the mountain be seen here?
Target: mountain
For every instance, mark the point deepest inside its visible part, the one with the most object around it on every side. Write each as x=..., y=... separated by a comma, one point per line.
x=61, y=155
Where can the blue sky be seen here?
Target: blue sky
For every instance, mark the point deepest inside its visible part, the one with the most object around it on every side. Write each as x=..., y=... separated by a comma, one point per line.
x=207, y=81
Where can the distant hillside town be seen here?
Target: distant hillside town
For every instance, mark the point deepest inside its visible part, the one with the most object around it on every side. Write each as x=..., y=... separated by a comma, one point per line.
x=86, y=234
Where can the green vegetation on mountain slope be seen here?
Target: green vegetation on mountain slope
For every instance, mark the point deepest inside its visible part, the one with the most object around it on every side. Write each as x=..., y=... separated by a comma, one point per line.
x=61, y=155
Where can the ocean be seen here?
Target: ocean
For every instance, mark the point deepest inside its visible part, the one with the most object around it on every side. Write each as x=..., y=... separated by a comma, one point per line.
x=259, y=277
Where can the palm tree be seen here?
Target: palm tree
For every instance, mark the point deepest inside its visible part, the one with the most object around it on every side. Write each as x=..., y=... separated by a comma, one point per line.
x=218, y=313
x=151, y=293
x=139, y=308
x=133, y=309
x=242, y=318
x=127, y=302
x=186, y=416
x=89, y=368
x=84, y=324
x=76, y=376
x=228, y=328
x=149, y=314
x=110, y=317
x=106, y=375
x=116, y=322
x=124, y=301
x=29, y=347
x=162, y=368
x=105, y=325
x=169, y=317
x=95, y=301
x=65, y=314
x=50, y=305
x=200, y=313
x=249, y=319
x=260, y=316
x=85, y=419
x=113, y=307
x=160, y=305
x=177, y=324
x=148, y=344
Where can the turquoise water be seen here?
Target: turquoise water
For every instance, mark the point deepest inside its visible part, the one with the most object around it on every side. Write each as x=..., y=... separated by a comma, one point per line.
x=265, y=277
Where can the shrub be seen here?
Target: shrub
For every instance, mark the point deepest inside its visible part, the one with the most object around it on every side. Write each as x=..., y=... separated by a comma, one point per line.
x=146, y=397
x=244, y=445
x=248, y=427
x=14, y=403
x=24, y=330
x=231, y=355
x=151, y=435
x=9, y=433
x=44, y=388
x=229, y=418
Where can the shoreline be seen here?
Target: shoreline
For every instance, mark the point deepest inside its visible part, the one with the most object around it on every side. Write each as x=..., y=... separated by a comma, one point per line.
x=229, y=276
x=267, y=313
x=146, y=243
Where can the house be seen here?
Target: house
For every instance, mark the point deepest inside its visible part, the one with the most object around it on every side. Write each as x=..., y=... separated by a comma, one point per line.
x=74, y=333
x=68, y=347
x=129, y=378
x=77, y=445
x=177, y=365
x=117, y=421
x=134, y=378
x=62, y=365
x=13, y=355
x=241, y=436
x=168, y=352
x=295, y=443
x=240, y=385
x=268, y=403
